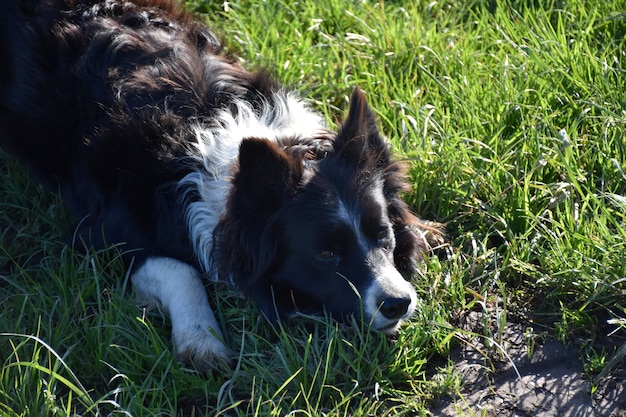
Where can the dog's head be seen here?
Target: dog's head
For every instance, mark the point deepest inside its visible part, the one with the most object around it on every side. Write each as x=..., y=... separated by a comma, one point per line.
x=324, y=229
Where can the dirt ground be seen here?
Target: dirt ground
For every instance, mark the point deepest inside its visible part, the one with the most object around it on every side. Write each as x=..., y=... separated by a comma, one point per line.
x=549, y=382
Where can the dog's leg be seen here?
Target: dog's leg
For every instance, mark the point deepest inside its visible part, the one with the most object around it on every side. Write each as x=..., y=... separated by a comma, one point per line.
x=178, y=288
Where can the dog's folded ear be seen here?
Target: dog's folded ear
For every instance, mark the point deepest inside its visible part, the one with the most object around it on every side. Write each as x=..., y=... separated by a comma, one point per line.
x=359, y=139
x=265, y=179
x=267, y=176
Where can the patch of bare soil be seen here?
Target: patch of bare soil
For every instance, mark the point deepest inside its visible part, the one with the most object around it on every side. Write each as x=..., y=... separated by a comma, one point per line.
x=544, y=379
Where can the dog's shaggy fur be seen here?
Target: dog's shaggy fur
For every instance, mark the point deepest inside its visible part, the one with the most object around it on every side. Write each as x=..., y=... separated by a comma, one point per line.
x=160, y=141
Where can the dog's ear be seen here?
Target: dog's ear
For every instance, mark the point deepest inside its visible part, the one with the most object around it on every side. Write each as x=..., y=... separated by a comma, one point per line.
x=267, y=175
x=359, y=139
x=265, y=179
x=414, y=237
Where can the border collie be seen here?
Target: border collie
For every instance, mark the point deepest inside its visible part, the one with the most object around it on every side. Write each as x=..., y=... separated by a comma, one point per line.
x=160, y=141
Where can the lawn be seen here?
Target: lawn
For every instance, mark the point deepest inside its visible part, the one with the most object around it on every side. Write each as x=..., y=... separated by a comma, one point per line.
x=512, y=118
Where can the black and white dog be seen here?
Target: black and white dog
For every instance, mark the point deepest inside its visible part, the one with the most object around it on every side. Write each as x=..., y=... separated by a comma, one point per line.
x=159, y=140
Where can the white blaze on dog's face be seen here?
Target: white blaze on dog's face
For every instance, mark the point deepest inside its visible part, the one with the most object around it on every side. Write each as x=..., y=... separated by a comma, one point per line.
x=388, y=299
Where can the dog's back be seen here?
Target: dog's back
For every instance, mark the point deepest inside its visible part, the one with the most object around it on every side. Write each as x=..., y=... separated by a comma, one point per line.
x=68, y=66
x=98, y=97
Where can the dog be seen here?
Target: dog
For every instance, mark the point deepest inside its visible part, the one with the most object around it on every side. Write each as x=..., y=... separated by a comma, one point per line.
x=159, y=140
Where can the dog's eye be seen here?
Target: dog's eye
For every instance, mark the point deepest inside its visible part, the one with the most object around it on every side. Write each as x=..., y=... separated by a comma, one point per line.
x=384, y=239
x=330, y=255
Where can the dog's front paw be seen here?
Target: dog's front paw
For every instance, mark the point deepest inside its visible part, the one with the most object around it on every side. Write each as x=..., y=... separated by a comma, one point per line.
x=202, y=348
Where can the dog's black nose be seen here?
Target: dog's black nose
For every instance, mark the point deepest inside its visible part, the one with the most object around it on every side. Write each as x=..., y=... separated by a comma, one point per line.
x=396, y=307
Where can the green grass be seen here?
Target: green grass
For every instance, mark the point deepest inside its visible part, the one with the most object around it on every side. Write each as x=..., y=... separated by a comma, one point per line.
x=512, y=118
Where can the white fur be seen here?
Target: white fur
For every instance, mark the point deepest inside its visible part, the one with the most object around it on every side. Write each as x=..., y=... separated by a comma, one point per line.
x=217, y=147
x=178, y=288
